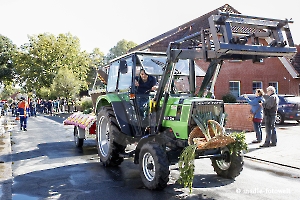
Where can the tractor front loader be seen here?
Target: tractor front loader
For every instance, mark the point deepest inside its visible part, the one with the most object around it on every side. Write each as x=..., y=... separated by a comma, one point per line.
x=178, y=114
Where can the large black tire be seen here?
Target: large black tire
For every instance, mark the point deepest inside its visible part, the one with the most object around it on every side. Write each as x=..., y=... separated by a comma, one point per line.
x=78, y=141
x=230, y=167
x=108, y=149
x=154, y=166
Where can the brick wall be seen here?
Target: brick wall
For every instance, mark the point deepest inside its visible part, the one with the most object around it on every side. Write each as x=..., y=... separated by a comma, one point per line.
x=237, y=117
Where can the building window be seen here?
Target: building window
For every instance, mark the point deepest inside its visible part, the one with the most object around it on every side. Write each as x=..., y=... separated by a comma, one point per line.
x=234, y=88
x=275, y=85
x=256, y=85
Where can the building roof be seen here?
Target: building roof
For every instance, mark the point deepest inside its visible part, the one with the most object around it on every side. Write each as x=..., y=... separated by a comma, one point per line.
x=181, y=31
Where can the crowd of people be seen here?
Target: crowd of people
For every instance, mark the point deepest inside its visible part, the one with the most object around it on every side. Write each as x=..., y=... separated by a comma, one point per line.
x=41, y=106
x=53, y=106
x=26, y=107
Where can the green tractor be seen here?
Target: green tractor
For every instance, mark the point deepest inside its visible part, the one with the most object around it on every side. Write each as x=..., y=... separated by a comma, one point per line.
x=179, y=113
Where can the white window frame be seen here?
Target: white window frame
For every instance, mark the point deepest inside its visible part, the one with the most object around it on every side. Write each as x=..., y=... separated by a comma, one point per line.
x=256, y=87
x=238, y=88
x=274, y=84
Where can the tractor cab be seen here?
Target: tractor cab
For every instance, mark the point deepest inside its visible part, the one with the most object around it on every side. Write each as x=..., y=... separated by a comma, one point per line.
x=123, y=74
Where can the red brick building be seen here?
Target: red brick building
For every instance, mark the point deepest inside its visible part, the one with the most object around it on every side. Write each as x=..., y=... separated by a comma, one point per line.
x=236, y=77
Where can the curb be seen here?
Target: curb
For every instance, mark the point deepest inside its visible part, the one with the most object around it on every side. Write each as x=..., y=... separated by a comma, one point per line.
x=5, y=158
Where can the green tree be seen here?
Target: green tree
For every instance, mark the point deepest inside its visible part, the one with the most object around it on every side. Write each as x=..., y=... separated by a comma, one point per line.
x=39, y=61
x=65, y=84
x=7, y=50
x=121, y=48
x=44, y=93
x=97, y=60
x=8, y=90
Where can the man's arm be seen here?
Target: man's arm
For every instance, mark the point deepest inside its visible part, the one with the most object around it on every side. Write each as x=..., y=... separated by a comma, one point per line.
x=153, y=83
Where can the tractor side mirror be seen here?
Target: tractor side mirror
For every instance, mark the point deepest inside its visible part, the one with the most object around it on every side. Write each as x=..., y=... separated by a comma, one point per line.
x=123, y=66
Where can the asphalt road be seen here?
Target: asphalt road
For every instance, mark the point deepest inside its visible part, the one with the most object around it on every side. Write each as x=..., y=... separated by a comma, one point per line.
x=47, y=165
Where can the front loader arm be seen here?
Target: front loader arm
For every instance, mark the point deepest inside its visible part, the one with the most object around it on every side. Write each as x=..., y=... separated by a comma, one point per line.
x=230, y=37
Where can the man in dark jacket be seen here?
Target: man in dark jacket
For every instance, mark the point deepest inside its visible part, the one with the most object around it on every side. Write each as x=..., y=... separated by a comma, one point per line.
x=270, y=110
x=144, y=85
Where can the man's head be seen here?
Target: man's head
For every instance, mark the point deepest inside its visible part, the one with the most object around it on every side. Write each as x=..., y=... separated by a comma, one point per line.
x=22, y=98
x=270, y=90
x=143, y=75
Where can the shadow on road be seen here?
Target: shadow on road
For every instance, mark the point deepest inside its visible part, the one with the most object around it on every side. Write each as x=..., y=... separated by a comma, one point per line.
x=55, y=150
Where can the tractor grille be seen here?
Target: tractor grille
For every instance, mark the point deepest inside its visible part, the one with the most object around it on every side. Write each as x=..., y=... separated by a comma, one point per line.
x=215, y=107
x=211, y=109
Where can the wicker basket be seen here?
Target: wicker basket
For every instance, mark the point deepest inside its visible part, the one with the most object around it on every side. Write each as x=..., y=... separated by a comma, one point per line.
x=196, y=133
x=218, y=137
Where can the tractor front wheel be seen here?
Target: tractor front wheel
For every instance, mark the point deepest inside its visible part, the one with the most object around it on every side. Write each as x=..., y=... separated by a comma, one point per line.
x=230, y=166
x=154, y=166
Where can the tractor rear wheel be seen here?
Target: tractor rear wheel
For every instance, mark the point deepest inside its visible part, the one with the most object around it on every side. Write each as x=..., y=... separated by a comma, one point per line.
x=108, y=149
x=154, y=166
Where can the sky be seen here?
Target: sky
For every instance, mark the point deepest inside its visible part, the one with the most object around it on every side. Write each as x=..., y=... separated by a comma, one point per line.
x=101, y=24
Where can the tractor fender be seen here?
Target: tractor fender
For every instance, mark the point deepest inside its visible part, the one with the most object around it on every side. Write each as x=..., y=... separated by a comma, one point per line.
x=122, y=118
x=119, y=111
x=148, y=138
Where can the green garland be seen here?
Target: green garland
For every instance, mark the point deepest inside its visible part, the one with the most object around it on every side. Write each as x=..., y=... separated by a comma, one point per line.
x=187, y=158
x=239, y=144
x=187, y=167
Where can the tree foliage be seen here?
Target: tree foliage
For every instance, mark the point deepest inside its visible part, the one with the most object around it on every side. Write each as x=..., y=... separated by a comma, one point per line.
x=53, y=66
x=7, y=50
x=65, y=84
x=122, y=47
x=8, y=90
x=38, y=62
x=97, y=60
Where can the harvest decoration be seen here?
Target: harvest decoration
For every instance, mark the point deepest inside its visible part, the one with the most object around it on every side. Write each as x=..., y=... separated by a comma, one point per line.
x=187, y=157
x=208, y=134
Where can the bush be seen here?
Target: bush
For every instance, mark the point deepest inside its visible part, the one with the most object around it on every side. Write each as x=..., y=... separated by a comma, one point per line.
x=229, y=98
x=87, y=104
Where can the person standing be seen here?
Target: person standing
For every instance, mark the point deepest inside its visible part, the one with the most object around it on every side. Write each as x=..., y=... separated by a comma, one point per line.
x=22, y=110
x=32, y=106
x=49, y=107
x=257, y=110
x=270, y=111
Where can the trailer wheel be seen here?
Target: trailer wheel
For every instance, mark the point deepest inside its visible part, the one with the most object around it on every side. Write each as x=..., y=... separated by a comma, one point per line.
x=108, y=150
x=78, y=141
x=229, y=167
x=154, y=166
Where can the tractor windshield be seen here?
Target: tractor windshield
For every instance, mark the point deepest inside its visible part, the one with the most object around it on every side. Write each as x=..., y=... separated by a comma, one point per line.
x=154, y=64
